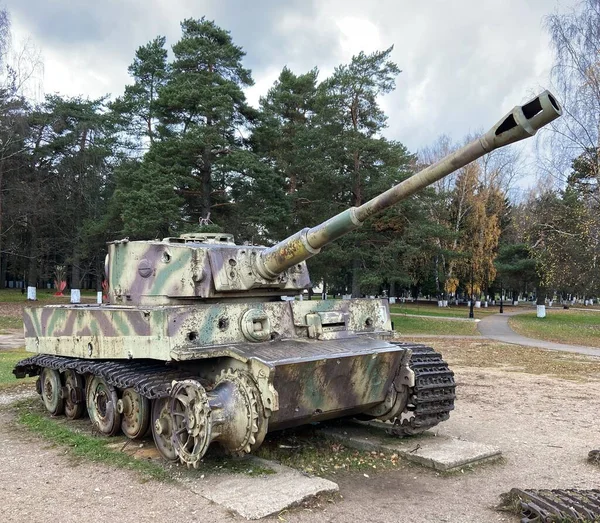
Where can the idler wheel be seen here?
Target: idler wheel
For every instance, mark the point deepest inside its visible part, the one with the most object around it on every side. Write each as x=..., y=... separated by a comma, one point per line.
x=51, y=391
x=102, y=406
x=135, y=414
x=162, y=428
x=192, y=424
x=74, y=394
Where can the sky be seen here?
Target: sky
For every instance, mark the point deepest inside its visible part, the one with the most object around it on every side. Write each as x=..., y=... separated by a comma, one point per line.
x=464, y=63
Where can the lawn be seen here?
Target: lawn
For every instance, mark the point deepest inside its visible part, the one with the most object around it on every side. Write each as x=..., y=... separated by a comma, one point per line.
x=10, y=322
x=561, y=326
x=454, y=311
x=8, y=358
x=406, y=325
x=481, y=353
x=31, y=414
x=42, y=295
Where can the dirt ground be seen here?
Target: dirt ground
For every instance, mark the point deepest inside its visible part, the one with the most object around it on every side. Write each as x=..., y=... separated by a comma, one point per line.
x=544, y=425
x=13, y=310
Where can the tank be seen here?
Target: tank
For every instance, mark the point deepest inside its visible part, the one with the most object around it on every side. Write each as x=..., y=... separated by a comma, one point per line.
x=202, y=341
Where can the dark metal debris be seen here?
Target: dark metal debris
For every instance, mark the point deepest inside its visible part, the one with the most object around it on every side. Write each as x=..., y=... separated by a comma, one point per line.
x=553, y=506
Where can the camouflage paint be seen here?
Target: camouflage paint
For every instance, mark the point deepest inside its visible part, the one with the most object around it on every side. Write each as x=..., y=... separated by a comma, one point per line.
x=167, y=272
x=333, y=387
x=125, y=332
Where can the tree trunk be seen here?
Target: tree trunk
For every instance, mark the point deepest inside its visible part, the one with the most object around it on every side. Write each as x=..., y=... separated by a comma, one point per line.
x=206, y=190
x=392, y=289
x=206, y=178
x=541, y=301
x=75, y=270
x=32, y=267
x=99, y=273
x=3, y=268
x=2, y=263
x=355, y=278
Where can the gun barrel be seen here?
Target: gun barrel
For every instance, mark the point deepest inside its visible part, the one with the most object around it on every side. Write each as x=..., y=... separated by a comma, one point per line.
x=520, y=123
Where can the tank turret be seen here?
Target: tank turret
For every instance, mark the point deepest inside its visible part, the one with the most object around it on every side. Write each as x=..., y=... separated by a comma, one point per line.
x=197, y=346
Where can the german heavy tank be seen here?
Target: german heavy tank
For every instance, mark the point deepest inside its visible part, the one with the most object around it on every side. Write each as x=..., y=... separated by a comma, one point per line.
x=197, y=345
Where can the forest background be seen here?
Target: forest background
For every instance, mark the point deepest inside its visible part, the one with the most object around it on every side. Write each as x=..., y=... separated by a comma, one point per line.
x=181, y=144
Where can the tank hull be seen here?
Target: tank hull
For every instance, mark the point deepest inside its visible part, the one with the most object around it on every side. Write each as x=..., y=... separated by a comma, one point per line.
x=323, y=359
x=178, y=332
x=318, y=360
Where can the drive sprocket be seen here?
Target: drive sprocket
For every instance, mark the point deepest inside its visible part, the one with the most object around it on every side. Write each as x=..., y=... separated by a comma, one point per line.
x=238, y=415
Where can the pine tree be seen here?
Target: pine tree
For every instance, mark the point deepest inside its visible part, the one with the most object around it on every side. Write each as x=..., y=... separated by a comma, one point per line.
x=203, y=114
x=137, y=108
x=352, y=121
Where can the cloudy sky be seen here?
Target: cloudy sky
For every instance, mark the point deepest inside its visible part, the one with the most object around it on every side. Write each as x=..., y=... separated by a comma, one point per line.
x=464, y=63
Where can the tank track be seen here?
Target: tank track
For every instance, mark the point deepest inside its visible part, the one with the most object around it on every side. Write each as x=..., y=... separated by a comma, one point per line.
x=432, y=397
x=150, y=379
x=430, y=402
x=557, y=505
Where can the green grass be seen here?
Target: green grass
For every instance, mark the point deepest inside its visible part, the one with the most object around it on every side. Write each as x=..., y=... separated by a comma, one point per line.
x=15, y=295
x=406, y=325
x=305, y=449
x=10, y=322
x=561, y=326
x=82, y=442
x=8, y=359
x=42, y=295
x=31, y=416
x=454, y=311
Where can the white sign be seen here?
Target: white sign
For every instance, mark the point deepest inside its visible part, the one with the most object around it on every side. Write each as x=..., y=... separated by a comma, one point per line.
x=75, y=296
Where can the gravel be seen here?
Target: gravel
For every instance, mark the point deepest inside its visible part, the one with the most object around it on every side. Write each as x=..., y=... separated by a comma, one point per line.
x=544, y=425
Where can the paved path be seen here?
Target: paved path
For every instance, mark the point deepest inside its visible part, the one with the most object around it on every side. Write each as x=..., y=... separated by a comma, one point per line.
x=495, y=327
x=429, y=317
x=13, y=339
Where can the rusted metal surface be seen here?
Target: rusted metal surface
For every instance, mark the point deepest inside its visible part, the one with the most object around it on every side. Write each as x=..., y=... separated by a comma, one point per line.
x=74, y=394
x=51, y=387
x=161, y=423
x=431, y=397
x=101, y=400
x=558, y=505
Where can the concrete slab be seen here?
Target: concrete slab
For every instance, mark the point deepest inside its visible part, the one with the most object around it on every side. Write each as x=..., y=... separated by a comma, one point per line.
x=259, y=497
x=252, y=497
x=437, y=452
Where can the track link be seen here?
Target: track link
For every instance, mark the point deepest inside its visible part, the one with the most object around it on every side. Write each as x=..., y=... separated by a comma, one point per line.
x=150, y=379
x=432, y=397
x=547, y=506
